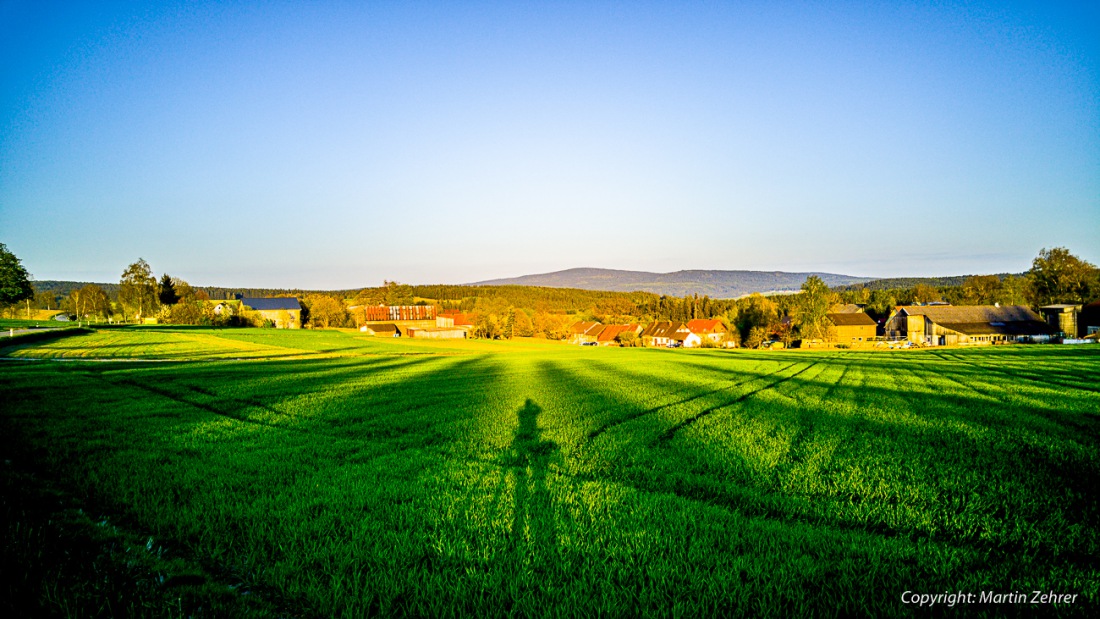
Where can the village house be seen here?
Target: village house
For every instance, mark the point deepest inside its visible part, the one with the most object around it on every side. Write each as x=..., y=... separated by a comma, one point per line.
x=851, y=327
x=229, y=307
x=284, y=312
x=712, y=329
x=669, y=334
x=584, y=332
x=939, y=325
x=609, y=335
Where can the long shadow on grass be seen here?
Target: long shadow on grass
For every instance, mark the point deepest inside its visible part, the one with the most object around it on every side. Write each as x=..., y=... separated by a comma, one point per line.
x=920, y=438
x=257, y=395
x=533, y=532
x=623, y=412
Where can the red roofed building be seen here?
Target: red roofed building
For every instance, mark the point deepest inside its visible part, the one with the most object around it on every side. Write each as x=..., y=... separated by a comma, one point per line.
x=583, y=332
x=608, y=336
x=712, y=329
x=669, y=334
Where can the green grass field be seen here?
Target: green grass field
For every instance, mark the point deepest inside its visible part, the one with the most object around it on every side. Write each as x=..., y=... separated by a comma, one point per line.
x=330, y=474
x=20, y=323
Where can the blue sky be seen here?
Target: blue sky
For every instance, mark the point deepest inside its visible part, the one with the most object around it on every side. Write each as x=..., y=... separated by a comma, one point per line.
x=332, y=145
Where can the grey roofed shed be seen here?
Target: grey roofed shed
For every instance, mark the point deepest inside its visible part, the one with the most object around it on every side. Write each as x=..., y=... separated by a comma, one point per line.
x=269, y=303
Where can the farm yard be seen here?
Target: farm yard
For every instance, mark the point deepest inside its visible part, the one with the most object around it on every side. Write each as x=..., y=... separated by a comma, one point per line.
x=306, y=473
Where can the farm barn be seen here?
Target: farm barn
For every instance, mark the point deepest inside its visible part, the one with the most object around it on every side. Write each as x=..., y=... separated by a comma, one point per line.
x=455, y=318
x=285, y=312
x=852, y=327
x=439, y=333
x=1062, y=318
x=379, y=313
x=939, y=325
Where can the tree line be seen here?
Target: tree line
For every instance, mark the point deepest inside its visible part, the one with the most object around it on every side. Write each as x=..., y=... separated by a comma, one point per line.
x=1056, y=276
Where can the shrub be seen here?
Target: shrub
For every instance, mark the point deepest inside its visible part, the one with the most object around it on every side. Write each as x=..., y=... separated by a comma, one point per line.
x=627, y=338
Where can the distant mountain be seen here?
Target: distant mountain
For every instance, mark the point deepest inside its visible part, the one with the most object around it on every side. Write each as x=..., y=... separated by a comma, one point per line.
x=715, y=284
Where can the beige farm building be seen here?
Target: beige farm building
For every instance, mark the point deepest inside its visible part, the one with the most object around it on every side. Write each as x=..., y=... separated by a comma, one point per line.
x=285, y=312
x=444, y=330
x=851, y=327
x=939, y=325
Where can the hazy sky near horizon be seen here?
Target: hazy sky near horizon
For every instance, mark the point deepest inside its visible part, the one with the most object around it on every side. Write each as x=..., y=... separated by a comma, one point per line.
x=335, y=144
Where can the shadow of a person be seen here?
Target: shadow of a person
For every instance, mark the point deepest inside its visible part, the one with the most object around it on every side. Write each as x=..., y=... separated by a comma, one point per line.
x=533, y=530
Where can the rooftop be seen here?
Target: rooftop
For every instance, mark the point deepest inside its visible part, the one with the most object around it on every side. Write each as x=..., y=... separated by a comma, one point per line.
x=271, y=303
x=851, y=319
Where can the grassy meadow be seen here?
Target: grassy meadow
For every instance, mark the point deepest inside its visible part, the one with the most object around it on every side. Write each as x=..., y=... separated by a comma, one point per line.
x=36, y=323
x=297, y=473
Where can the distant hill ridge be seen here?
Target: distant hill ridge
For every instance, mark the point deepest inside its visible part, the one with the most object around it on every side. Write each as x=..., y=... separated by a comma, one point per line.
x=715, y=284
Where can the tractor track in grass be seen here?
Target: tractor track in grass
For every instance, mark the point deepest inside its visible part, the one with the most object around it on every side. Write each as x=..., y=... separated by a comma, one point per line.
x=969, y=387
x=806, y=419
x=380, y=441
x=670, y=433
x=1050, y=416
x=1020, y=375
x=632, y=416
x=175, y=397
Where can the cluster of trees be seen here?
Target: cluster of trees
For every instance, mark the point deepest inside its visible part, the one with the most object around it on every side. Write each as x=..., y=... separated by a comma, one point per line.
x=137, y=296
x=325, y=311
x=1056, y=276
x=498, y=318
x=15, y=282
